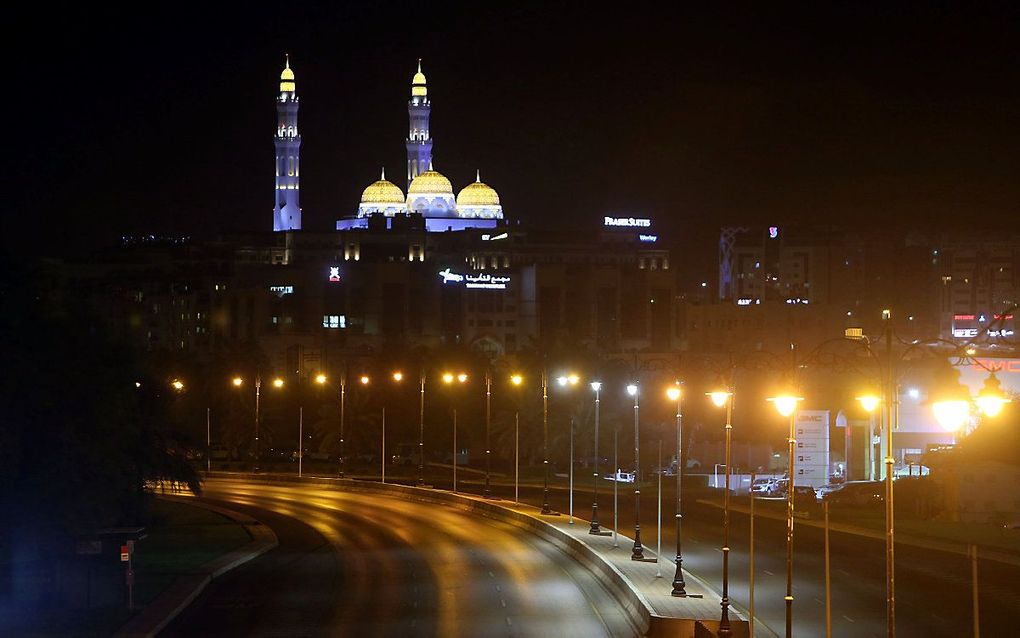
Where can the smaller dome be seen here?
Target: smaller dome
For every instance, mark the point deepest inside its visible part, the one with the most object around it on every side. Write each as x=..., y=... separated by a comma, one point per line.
x=382, y=191
x=478, y=194
x=430, y=182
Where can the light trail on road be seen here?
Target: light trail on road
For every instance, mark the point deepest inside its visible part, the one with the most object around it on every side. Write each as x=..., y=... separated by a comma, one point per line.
x=402, y=569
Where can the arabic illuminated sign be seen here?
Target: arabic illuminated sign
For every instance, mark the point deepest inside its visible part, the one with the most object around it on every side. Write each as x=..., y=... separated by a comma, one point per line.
x=970, y=326
x=627, y=222
x=773, y=232
x=483, y=280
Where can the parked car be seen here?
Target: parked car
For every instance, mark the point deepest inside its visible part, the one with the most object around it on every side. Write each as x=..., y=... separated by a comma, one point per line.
x=762, y=487
x=823, y=492
x=859, y=494
x=405, y=454
x=621, y=476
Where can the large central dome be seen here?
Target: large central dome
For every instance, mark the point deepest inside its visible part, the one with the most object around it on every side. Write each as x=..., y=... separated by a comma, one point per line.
x=431, y=182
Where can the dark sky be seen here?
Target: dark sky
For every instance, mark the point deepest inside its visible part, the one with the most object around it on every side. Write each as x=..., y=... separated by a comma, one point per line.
x=160, y=119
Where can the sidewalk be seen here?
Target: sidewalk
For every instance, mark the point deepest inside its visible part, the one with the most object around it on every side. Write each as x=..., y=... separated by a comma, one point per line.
x=155, y=616
x=670, y=615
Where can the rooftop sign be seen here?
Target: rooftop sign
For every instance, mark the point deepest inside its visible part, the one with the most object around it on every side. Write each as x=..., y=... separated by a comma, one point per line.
x=482, y=281
x=627, y=222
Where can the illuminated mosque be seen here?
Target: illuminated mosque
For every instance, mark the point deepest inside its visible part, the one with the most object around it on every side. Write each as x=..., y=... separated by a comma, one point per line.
x=429, y=193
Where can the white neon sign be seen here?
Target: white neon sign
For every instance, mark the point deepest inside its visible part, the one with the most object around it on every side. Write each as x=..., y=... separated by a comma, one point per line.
x=648, y=239
x=334, y=273
x=482, y=281
x=627, y=222
x=280, y=291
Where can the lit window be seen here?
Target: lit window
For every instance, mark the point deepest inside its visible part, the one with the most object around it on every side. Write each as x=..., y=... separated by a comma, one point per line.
x=334, y=322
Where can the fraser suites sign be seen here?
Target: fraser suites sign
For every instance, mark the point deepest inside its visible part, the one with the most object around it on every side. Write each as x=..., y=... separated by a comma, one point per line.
x=627, y=222
x=482, y=281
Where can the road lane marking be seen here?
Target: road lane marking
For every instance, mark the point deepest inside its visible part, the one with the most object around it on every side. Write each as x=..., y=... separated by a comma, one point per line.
x=849, y=618
x=502, y=602
x=768, y=572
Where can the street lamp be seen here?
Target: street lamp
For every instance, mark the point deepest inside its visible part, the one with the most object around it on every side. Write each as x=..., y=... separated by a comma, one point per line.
x=990, y=399
x=952, y=414
x=448, y=379
x=638, y=552
x=725, y=398
x=596, y=387
x=238, y=382
x=679, y=586
x=177, y=385
x=486, y=492
x=545, y=443
x=516, y=380
x=870, y=403
x=786, y=405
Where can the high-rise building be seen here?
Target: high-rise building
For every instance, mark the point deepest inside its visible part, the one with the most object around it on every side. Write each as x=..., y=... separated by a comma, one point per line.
x=287, y=140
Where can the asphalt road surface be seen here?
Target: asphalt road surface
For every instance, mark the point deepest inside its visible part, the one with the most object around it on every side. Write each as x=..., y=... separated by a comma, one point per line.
x=365, y=565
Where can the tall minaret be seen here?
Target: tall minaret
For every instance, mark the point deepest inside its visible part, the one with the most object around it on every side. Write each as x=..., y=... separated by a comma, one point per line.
x=287, y=210
x=419, y=142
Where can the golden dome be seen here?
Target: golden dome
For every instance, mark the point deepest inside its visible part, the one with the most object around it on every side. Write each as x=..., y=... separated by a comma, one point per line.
x=477, y=194
x=287, y=77
x=418, y=82
x=382, y=192
x=430, y=182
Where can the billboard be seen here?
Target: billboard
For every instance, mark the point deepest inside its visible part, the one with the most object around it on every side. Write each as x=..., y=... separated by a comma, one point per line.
x=812, y=451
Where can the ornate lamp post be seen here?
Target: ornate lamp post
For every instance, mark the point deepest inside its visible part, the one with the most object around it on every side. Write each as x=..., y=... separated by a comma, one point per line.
x=679, y=586
x=448, y=379
x=787, y=406
x=238, y=382
x=487, y=493
x=516, y=380
x=596, y=386
x=725, y=398
x=638, y=552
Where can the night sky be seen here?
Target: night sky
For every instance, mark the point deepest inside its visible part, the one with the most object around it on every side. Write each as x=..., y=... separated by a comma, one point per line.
x=161, y=119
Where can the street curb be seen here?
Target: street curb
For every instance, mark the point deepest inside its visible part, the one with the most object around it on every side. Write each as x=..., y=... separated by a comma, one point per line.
x=176, y=598
x=901, y=539
x=634, y=604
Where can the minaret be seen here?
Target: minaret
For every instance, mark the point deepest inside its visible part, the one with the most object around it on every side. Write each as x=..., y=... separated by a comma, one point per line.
x=287, y=210
x=419, y=142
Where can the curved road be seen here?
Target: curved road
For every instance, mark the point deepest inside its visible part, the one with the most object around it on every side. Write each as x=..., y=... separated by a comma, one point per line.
x=369, y=565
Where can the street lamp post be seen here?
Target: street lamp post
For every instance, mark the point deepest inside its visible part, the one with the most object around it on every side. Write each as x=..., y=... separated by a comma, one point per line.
x=517, y=380
x=487, y=492
x=545, y=443
x=787, y=406
x=421, y=430
x=448, y=379
x=596, y=386
x=343, y=393
x=638, y=552
x=564, y=381
x=679, y=586
x=721, y=398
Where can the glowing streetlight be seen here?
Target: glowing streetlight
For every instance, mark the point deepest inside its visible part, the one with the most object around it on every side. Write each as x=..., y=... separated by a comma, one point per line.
x=674, y=394
x=320, y=379
x=447, y=378
x=786, y=405
x=237, y=381
x=869, y=402
x=461, y=378
x=952, y=414
x=364, y=379
x=277, y=382
x=637, y=553
x=398, y=376
x=990, y=399
x=516, y=379
x=722, y=398
x=594, y=529
x=177, y=384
